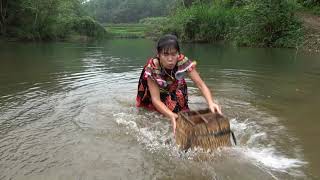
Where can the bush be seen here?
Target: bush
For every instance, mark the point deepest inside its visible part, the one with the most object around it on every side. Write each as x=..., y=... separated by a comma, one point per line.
x=201, y=23
x=155, y=26
x=263, y=23
x=268, y=23
x=48, y=20
x=88, y=27
x=312, y=6
x=235, y=3
x=154, y=20
x=309, y=3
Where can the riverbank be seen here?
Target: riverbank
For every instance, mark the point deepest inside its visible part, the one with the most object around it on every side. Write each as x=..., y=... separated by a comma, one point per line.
x=126, y=30
x=70, y=38
x=311, y=24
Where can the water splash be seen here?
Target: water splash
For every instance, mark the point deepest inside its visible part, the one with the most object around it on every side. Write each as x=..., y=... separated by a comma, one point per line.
x=257, y=143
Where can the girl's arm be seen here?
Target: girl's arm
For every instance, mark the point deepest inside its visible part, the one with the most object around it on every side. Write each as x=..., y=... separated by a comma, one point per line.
x=159, y=105
x=195, y=77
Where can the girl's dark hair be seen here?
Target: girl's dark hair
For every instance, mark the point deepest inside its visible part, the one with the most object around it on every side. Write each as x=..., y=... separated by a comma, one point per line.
x=168, y=42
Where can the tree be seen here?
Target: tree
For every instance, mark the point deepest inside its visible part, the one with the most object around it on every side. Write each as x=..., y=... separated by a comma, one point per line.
x=43, y=19
x=3, y=14
x=125, y=11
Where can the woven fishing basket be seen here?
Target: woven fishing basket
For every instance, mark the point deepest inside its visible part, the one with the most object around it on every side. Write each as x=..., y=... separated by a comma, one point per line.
x=203, y=129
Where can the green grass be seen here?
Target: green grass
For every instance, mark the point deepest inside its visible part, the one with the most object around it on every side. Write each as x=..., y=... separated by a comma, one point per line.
x=313, y=10
x=126, y=30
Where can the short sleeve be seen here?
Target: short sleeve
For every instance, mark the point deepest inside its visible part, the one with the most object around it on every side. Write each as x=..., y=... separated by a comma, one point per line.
x=184, y=65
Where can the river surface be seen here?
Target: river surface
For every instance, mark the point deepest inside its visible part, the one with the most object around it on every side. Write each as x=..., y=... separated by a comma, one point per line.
x=67, y=111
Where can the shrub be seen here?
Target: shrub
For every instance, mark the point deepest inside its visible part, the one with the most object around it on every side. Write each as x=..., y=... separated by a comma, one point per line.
x=202, y=23
x=88, y=27
x=268, y=23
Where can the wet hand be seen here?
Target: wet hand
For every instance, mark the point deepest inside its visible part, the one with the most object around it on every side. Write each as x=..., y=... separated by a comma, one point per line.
x=215, y=108
x=173, y=119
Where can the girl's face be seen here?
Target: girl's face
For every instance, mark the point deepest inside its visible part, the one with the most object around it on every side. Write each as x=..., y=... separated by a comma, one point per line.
x=169, y=58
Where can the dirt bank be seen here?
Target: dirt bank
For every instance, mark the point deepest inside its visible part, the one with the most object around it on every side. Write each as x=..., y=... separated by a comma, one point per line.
x=311, y=25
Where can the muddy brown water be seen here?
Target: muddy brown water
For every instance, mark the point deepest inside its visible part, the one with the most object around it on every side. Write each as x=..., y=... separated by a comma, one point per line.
x=67, y=111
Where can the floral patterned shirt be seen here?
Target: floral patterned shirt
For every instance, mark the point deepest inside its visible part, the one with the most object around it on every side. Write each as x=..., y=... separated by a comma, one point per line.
x=172, y=85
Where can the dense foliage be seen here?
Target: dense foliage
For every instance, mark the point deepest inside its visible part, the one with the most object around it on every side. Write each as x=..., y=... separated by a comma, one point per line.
x=201, y=22
x=267, y=23
x=126, y=11
x=311, y=5
x=45, y=20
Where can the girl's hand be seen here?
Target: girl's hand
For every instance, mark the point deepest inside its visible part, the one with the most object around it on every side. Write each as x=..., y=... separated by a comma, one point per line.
x=215, y=108
x=173, y=119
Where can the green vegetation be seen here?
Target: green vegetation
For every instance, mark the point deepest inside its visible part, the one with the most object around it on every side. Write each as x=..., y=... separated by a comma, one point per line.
x=312, y=6
x=310, y=3
x=264, y=23
x=126, y=30
x=154, y=26
x=201, y=22
x=127, y=11
x=270, y=23
x=46, y=20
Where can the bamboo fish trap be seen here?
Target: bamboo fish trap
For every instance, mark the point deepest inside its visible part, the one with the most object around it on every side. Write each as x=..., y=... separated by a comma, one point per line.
x=203, y=129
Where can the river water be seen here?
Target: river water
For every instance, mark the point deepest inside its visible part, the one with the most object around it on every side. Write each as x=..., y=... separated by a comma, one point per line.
x=67, y=111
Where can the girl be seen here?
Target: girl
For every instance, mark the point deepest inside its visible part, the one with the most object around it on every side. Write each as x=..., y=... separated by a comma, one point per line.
x=162, y=86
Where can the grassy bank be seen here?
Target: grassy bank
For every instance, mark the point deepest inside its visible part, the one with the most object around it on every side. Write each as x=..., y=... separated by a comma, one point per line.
x=265, y=23
x=126, y=30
